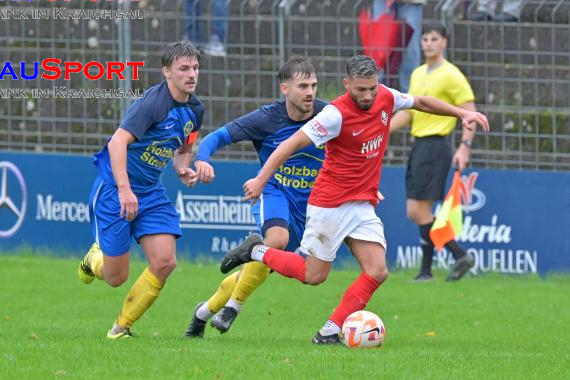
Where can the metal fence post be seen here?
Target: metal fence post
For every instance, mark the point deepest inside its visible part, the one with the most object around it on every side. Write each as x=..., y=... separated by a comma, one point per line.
x=124, y=30
x=284, y=11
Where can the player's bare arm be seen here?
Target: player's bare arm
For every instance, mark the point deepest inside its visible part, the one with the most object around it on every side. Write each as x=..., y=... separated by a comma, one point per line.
x=435, y=106
x=400, y=120
x=461, y=156
x=118, y=152
x=181, y=164
x=253, y=187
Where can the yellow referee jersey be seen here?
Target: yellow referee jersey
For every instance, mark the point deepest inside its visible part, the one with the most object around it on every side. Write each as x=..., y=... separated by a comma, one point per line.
x=445, y=82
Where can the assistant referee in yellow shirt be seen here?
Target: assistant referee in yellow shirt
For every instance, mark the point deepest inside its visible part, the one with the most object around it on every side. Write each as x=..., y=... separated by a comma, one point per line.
x=430, y=158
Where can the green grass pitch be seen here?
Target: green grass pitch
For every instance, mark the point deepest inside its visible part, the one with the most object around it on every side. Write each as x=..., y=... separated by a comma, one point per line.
x=491, y=327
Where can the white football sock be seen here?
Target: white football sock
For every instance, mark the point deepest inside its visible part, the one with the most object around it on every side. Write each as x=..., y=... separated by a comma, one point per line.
x=258, y=252
x=234, y=304
x=329, y=328
x=203, y=312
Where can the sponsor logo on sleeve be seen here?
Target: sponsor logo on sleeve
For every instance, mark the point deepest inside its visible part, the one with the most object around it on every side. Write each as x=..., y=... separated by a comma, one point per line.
x=319, y=129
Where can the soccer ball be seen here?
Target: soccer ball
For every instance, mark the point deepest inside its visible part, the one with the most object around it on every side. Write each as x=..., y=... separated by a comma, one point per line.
x=363, y=329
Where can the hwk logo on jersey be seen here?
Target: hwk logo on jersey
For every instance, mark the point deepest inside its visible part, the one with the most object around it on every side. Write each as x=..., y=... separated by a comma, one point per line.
x=473, y=199
x=371, y=145
x=384, y=118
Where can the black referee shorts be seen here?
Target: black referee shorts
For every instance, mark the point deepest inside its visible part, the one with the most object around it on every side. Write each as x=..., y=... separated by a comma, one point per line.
x=428, y=166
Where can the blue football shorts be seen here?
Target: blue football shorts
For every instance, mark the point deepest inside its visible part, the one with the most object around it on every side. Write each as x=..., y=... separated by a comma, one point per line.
x=273, y=209
x=114, y=234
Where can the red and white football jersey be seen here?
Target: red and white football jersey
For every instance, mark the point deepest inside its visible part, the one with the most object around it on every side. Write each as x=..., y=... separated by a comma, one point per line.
x=355, y=143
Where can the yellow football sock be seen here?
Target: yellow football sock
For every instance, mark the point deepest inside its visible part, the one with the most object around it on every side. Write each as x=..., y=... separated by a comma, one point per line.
x=139, y=298
x=222, y=295
x=96, y=261
x=252, y=275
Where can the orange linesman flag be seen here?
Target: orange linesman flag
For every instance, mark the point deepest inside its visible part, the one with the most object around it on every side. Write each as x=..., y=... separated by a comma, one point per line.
x=449, y=221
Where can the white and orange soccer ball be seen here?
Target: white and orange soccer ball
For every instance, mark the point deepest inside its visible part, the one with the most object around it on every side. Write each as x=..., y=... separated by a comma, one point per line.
x=363, y=329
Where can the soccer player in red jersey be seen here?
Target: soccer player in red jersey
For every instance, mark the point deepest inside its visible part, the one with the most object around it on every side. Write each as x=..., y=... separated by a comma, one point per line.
x=355, y=129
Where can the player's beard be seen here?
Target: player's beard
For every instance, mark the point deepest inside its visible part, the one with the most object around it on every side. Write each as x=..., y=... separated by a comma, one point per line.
x=365, y=106
x=304, y=108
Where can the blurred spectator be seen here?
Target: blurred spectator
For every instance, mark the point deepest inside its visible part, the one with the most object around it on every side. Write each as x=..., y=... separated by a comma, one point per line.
x=511, y=11
x=410, y=11
x=219, y=25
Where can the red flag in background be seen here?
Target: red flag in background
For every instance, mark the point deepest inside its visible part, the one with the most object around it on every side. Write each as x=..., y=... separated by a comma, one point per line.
x=384, y=39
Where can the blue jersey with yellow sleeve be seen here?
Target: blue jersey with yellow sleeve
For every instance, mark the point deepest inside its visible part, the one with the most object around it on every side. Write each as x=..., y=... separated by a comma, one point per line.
x=160, y=125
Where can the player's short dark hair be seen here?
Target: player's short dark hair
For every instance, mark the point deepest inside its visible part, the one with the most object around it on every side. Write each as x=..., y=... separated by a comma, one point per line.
x=175, y=50
x=361, y=66
x=435, y=27
x=296, y=66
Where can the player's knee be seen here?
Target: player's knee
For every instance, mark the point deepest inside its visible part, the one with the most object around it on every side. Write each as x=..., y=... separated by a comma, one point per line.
x=171, y=264
x=117, y=279
x=315, y=278
x=164, y=266
x=115, y=276
x=278, y=241
x=412, y=214
x=379, y=274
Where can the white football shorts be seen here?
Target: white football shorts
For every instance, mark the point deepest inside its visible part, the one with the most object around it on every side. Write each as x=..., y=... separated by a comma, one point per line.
x=326, y=228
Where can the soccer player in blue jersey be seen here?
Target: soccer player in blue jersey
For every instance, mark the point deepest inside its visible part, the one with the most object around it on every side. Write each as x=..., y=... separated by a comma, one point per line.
x=128, y=199
x=281, y=212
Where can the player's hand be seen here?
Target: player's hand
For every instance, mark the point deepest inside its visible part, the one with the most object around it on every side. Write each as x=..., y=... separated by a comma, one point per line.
x=129, y=204
x=475, y=117
x=252, y=190
x=187, y=176
x=461, y=157
x=205, y=171
x=380, y=196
